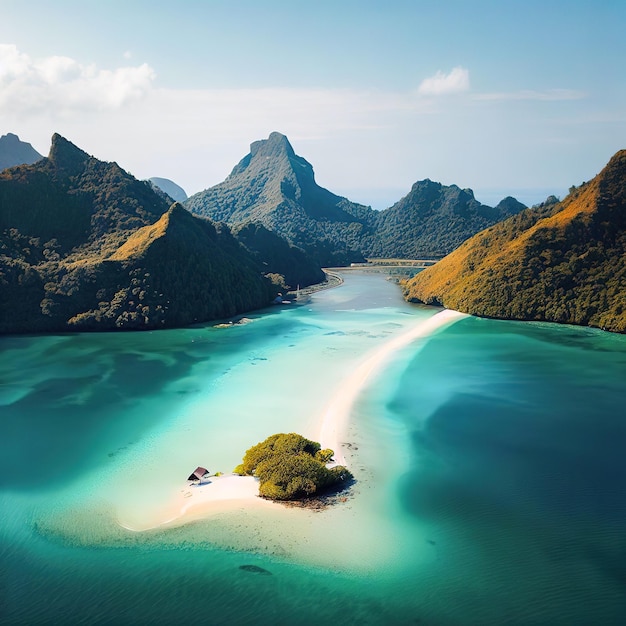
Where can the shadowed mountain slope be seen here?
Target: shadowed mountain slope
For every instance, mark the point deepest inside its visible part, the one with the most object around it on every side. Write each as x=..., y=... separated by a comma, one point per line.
x=80, y=204
x=563, y=262
x=277, y=256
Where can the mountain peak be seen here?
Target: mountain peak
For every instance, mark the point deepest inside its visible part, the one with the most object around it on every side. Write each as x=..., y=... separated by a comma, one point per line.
x=166, y=186
x=275, y=145
x=510, y=205
x=617, y=160
x=273, y=159
x=10, y=138
x=178, y=211
x=560, y=262
x=613, y=178
x=15, y=152
x=65, y=155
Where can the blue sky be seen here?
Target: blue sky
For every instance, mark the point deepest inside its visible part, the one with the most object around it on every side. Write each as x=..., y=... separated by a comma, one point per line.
x=505, y=97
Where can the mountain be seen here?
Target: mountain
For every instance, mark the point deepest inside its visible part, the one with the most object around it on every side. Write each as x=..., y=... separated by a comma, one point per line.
x=15, y=152
x=275, y=187
x=75, y=203
x=85, y=246
x=186, y=269
x=174, y=191
x=434, y=219
x=560, y=262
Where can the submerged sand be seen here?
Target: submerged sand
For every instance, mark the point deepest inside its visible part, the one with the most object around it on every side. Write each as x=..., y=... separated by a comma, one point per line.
x=141, y=500
x=335, y=419
x=231, y=492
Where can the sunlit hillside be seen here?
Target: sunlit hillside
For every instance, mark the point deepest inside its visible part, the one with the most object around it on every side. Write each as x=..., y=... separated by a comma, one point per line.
x=563, y=263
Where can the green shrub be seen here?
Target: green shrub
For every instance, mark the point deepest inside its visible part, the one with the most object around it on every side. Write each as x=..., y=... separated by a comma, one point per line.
x=290, y=467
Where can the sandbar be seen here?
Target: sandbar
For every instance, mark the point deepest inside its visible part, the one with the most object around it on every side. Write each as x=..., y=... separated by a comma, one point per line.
x=334, y=422
x=231, y=492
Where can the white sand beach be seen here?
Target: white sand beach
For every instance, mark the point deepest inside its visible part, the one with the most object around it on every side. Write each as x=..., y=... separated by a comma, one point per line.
x=231, y=492
x=334, y=422
x=214, y=495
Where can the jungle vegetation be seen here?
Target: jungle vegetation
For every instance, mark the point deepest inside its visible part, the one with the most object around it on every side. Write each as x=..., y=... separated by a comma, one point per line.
x=86, y=246
x=560, y=262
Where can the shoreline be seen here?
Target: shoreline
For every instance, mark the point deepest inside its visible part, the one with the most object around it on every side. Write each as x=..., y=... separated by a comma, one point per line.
x=230, y=492
x=332, y=280
x=336, y=417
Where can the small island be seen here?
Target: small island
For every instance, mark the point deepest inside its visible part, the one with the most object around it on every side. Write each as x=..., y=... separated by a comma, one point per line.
x=291, y=467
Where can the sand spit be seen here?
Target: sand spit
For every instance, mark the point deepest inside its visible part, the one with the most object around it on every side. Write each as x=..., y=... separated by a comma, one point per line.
x=231, y=492
x=195, y=501
x=336, y=417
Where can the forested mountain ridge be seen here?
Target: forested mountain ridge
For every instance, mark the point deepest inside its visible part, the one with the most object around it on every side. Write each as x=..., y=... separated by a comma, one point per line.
x=275, y=187
x=188, y=269
x=434, y=219
x=15, y=152
x=73, y=204
x=85, y=246
x=278, y=257
x=562, y=263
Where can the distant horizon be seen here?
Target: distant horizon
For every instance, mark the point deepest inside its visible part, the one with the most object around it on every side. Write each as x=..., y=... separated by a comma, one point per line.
x=377, y=198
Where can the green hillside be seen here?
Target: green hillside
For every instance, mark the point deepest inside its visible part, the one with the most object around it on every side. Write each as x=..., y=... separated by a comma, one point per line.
x=278, y=257
x=85, y=246
x=562, y=263
x=432, y=220
x=74, y=204
x=182, y=268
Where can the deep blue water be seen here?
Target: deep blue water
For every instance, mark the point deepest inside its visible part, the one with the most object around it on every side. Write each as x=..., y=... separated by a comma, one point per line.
x=520, y=468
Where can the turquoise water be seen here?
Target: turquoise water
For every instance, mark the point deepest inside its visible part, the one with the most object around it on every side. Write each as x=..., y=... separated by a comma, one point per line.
x=489, y=461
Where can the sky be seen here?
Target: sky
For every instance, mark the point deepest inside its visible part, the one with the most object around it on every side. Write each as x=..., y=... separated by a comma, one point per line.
x=506, y=97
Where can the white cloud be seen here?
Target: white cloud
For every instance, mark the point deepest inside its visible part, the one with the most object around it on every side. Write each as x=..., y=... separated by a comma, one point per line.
x=442, y=84
x=55, y=70
x=13, y=63
x=65, y=85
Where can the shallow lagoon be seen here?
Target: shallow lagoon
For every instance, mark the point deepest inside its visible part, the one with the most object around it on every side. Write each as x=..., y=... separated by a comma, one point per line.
x=489, y=461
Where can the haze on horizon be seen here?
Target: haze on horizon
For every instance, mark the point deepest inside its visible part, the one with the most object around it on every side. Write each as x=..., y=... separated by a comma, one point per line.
x=520, y=99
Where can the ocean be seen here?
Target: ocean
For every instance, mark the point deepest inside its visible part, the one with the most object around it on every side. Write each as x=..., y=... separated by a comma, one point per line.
x=488, y=457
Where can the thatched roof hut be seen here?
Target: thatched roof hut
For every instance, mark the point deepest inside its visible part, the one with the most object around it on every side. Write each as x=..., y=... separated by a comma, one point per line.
x=199, y=473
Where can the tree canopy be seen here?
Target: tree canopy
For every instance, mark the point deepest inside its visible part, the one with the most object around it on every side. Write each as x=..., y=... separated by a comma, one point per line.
x=291, y=467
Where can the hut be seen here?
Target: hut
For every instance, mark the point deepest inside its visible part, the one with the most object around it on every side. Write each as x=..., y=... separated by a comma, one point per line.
x=198, y=474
